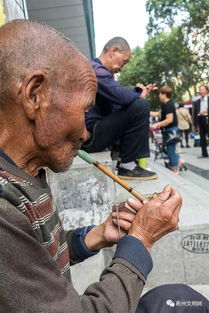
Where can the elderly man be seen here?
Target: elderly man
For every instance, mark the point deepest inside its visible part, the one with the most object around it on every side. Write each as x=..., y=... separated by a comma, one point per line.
x=47, y=85
x=201, y=109
x=119, y=113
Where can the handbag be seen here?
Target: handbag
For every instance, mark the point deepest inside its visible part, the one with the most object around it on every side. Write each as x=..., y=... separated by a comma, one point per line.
x=172, y=136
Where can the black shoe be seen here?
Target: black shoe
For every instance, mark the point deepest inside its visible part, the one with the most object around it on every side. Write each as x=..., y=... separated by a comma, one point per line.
x=138, y=173
x=187, y=146
x=182, y=146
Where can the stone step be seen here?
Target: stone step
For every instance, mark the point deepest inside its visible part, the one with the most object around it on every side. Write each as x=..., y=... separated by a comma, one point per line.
x=203, y=289
x=179, y=257
x=84, y=196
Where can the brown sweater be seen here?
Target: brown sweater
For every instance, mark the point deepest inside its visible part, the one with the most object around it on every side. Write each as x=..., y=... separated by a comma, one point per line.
x=34, y=258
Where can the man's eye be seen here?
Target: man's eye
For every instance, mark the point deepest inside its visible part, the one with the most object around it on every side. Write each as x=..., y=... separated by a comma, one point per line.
x=90, y=107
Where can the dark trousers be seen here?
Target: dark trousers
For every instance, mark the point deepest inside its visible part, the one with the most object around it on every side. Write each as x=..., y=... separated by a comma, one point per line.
x=186, y=136
x=204, y=130
x=130, y=125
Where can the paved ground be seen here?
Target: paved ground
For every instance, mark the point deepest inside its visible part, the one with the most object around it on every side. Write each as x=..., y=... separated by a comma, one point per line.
x=193, y=184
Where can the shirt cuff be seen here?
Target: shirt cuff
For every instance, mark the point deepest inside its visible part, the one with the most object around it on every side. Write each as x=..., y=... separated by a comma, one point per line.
x=79, y=247
x=131, y=249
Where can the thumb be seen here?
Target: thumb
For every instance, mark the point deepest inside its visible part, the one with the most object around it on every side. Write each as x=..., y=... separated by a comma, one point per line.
x=165, y=194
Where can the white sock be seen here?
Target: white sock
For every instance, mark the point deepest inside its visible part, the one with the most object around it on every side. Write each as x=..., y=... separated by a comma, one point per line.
x=128, y=166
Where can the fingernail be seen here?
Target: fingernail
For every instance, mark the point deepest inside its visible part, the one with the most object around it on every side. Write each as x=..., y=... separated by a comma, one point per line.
x=167, y=188
x=131, y=201
x=129, y=208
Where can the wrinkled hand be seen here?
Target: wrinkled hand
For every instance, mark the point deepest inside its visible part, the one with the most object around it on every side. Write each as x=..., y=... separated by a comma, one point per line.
x=107, y=233
x=157, y=217
x=118, y=223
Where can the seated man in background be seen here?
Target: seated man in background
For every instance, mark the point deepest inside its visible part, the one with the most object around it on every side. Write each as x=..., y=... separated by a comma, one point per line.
x=119, y=113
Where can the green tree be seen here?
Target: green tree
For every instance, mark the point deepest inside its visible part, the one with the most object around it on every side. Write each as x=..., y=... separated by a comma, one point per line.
x=191, y=15
x=165, y=59
x=192, y=19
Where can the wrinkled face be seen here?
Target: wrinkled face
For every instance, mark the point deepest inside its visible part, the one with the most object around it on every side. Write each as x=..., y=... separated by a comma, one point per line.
x=63, y=131
x=119, y=59
x=203, y=91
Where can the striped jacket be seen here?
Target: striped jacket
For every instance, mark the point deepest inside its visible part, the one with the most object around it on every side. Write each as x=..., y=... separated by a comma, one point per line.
x=36, y=204
x=34, y=258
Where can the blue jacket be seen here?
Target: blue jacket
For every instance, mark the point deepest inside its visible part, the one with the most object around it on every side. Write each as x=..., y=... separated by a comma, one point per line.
x=111, y=96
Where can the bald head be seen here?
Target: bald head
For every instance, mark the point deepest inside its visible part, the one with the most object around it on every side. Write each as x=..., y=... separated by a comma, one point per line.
x=117, y=42
x=46, y=86
x=115, y=54
x=28, y=46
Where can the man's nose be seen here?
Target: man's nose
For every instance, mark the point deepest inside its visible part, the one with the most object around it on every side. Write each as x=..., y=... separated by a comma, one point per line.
x=85, y=135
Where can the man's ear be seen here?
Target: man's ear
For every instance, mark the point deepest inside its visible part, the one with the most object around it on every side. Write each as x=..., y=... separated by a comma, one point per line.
x=34, y=94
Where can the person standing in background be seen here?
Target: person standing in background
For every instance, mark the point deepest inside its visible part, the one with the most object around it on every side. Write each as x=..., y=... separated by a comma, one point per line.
x=168, y=122
x=184, y=122
x=201, y=109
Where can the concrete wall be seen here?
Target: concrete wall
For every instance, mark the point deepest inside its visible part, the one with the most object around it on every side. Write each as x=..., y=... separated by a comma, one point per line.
x=83, y=195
